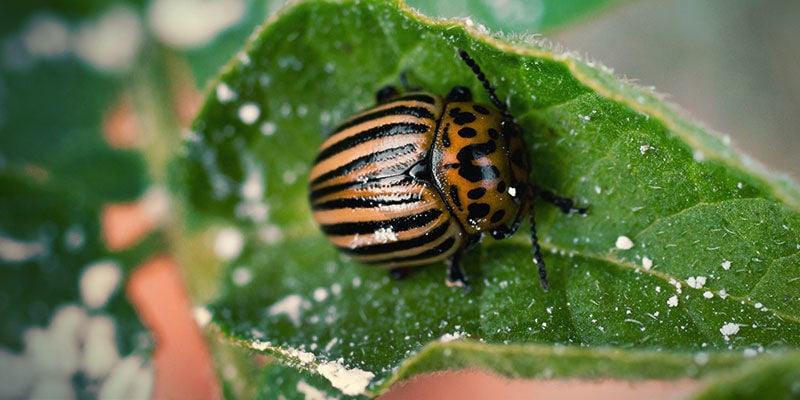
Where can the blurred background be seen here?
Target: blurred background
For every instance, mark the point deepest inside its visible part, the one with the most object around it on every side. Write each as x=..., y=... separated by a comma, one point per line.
x=95, y=94
x=733, y=66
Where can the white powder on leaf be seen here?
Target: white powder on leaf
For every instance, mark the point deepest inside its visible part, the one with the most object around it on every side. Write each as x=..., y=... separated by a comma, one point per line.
x=289, y=305
x=624, y=243
x=310, y=392
x=696, y=282
x=351, y=382
x=729, y=329
x=228, y=243
x=672, y=301
x=98, y=282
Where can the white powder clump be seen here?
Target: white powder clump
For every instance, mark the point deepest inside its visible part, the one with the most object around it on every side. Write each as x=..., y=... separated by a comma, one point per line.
x=351, y=382
x=267, y=128
x=647, y=263
x=320, y=294
x=98, y=282
x=249, y=113
x=310, y=392
x=696, y=282
x=228, y=244
x=672, y=301
x=729, y=329
x=225, y=93
x=260, y=345
x=624, y=243
x=241, y=276
x=46, y=36
x=385, y=235
x=110, y=43
x=192, y=23
x=13, y=251
x=131, y=378
x=100, y=347
x=18, y=375
x=449, y=337
x=290, y=305
x=202, y=316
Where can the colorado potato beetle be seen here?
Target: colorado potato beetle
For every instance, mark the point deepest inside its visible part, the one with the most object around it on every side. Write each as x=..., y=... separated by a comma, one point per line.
x=419, y=178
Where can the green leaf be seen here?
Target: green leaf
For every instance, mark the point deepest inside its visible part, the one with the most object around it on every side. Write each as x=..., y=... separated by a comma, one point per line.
x=515, y=15
x=47, y=128
x=711, y=273
x=771, y=378
x=68, y=331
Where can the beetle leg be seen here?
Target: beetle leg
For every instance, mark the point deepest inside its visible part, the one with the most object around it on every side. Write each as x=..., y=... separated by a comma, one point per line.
x=537, y=252
x=400, y=273
x=386, y=93
x=566, y=205
x=455, y=275
x=505, y=231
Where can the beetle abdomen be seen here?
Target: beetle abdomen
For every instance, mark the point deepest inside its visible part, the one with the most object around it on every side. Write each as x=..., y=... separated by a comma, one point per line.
x=363, y=193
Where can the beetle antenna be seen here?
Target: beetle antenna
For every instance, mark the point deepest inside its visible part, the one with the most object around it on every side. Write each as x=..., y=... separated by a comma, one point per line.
x=485, y=82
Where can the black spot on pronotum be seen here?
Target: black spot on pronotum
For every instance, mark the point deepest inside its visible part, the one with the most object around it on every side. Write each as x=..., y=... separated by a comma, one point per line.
x=474, y=173
x=476, y=193
x=497, y=216
x=461, y=117
x=480, y=109
x=467, y=132
x=493, y=133
x=478, y=210
x=501, y=186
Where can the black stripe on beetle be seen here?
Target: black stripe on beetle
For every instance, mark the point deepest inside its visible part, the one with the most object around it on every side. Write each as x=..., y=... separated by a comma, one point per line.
x=430, y=253
x=419, y=112
x=378, y=132
x=422, y=97
x=398, y=224
x=367, y=160
x=367, y=202
x=454, y=196
x=384, y=181
x=446, y=135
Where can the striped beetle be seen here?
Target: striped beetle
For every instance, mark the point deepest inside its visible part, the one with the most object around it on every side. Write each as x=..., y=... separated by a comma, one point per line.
x=418, y=179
